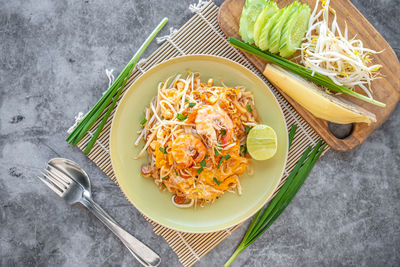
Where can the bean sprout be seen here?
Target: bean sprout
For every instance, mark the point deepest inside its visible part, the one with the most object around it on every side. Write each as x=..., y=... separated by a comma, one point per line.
x=329, y=52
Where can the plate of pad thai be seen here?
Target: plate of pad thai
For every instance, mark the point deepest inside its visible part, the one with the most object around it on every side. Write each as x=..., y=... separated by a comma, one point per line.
x=178, y=143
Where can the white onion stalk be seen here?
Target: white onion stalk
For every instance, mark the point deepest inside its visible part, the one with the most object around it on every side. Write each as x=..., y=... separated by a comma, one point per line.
x=329, y=52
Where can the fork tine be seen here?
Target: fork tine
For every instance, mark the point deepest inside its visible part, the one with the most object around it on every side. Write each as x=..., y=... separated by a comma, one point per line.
x=55, y=181
x=60, y=174
x=58, y=177
x=51, y=186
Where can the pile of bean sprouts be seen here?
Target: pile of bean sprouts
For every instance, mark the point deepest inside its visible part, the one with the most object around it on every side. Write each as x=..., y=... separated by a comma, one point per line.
x=328, y=51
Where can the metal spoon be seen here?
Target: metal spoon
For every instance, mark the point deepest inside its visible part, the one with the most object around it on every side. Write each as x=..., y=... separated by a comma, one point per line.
x=79, y=191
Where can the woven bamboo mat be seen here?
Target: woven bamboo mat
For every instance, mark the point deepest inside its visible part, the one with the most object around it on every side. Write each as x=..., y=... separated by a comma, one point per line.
x=190, y=39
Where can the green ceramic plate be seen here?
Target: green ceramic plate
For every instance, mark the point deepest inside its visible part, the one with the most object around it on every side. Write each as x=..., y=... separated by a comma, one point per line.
x=230, y=209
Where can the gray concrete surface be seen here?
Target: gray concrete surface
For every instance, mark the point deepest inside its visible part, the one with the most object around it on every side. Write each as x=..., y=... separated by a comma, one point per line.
x=52, y=60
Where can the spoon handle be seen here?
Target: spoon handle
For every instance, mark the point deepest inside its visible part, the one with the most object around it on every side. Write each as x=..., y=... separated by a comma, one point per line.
x=140, y=251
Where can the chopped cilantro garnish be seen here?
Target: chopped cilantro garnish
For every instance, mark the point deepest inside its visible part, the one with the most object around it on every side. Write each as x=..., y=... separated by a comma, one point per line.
x=203, y=163
x=216, y=181
x=163, y=150
x=243, y=150
x=181, y=117
x=200, y=170
x=176, y=172
x=216, y=152
x=192, y=105
x=249, y=108
x=223, y=132
x=166, y=176
x=247, y=129
x=206, y=157
x=220, y=162
x=186, y=100
x=227, y=157
x=143, y=121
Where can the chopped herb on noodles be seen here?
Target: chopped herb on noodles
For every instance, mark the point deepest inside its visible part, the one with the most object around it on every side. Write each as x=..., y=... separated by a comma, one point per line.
x=193, y=133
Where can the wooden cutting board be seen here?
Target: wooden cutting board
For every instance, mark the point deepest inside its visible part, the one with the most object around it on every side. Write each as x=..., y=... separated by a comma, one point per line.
x=386, y=89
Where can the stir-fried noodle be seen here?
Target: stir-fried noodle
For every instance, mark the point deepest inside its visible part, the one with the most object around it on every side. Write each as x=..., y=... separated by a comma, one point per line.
x=195, y=138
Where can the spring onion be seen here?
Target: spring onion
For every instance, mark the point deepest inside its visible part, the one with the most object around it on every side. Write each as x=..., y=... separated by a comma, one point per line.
x=292, y=132
x=308, y=74
x=216, y=181
x=220, y=162
x=143, y=121
x=181, y=117
x=112, y=94
x=163, y=150
x=267, y=215
x=249, y=108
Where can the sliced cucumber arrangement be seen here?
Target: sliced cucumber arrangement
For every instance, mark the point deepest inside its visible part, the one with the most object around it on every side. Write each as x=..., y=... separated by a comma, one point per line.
x=275, y=35
x=274, y=29
x=264, y=37
x=293, y=32
x=250, y=12
x=269, y=10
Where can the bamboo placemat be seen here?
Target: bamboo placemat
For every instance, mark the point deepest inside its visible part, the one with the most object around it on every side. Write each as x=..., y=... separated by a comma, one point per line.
x=200, y=35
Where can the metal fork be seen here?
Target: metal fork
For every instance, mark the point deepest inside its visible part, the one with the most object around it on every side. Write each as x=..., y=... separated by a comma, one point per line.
x=71, y=183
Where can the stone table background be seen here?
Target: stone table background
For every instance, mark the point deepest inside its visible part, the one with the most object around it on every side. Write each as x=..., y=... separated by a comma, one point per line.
x=52, y=60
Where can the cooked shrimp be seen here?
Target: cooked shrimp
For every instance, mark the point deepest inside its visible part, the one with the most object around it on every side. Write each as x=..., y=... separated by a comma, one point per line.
x=213, y=119
x=194, y=133
x=188, y=150
x=147, y=170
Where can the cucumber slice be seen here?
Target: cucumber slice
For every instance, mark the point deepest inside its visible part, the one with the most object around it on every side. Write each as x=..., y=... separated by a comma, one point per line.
x=294, y=30
x=275, y=34
x=269, y=10
x=263, y=40
x=250, y=12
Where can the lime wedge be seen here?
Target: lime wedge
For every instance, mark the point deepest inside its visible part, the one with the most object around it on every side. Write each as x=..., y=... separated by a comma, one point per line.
x=262, y=142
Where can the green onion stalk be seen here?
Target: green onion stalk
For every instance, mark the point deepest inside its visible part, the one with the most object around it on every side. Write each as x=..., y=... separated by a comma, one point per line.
x=109, y=98
x=265, y=217
x=302, y=71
